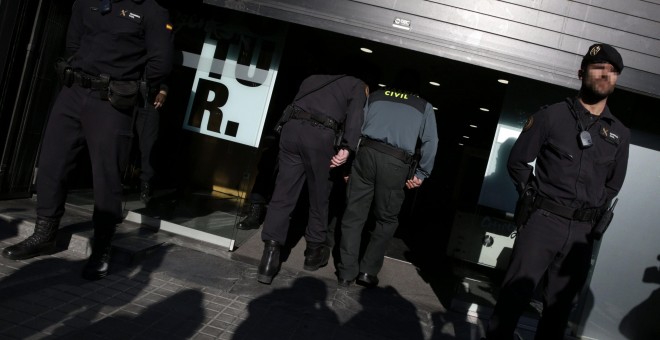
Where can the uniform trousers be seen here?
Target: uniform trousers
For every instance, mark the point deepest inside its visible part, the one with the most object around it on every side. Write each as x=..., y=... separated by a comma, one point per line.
x=146, y=126
x=305, y=153
x=80, y=117
x=379, y=178
x=552, y=251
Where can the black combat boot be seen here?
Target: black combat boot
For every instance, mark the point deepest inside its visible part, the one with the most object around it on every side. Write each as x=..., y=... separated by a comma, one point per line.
x=270, y=262
x=316, y=256
x=145, y=192
x=254, y=217
x=41, y=242
x=99, y=262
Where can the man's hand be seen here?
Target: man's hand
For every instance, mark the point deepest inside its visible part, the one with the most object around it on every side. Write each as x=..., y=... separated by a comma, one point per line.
x=160, y=99
x=413, y=183
x=339, y=159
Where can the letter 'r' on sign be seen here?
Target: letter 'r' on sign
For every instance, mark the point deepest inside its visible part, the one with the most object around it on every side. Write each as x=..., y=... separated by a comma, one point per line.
x=210, y=96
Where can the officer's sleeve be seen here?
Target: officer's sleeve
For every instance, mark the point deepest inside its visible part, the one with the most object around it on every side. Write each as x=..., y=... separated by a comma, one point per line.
x=526, y=148
x=618, y=171
x=158, y=37
x=75, y=30
x=428, y=135
x=354, y=116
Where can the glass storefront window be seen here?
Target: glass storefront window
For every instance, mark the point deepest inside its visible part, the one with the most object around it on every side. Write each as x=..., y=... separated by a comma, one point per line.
x=211, y=125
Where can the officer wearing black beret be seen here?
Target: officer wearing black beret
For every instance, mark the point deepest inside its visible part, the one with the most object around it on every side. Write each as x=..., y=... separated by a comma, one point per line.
x=109, y=45
x=581, y=152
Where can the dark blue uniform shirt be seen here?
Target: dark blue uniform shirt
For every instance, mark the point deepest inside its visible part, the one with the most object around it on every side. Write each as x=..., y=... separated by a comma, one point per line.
x=342, y=100
x=572, y=176
x=132, y=38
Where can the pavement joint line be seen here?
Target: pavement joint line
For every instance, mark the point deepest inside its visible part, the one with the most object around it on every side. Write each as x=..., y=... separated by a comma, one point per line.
x=227, y=307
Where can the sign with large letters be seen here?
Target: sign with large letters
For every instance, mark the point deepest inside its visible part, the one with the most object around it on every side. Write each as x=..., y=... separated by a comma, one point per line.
x=235, y=75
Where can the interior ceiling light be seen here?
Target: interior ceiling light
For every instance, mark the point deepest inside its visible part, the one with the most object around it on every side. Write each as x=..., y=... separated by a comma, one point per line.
x=382, y=85
x=466, y=137
x=484, y=109
x=503, y=81
x=473, y=126
x=366, y=50
x=435, y=108
x=461, y=144
x=434, y=83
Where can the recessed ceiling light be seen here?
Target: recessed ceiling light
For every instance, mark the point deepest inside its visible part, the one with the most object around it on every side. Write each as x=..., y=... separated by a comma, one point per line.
x=435, y=108
x=466, y=137
x=382, y=85
x=434, y=83
x=366, y=50
x=473, y=126
x=484, y=109
x=461, y=144
x=503, y=81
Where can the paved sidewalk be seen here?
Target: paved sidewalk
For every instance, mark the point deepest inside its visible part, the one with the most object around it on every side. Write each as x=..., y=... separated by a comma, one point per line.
x=176, y=292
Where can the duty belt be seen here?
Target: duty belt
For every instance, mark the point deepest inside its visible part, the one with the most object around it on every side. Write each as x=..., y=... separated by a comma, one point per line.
x=89, y=81
x=583, y=215
x=385, y=148
x=322, y=120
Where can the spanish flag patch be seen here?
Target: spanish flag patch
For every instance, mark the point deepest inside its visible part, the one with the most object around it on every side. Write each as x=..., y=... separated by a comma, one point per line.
x=168, y=27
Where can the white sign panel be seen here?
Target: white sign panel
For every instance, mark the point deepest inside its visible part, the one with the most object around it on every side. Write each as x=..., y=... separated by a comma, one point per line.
x=232, y=87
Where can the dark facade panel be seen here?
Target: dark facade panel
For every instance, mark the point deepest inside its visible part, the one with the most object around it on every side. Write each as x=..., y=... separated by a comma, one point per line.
x=540, y=41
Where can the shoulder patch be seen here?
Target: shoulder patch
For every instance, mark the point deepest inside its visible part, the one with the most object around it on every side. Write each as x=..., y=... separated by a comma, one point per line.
x=127, y=14
x=609, y=136
x=528, y=123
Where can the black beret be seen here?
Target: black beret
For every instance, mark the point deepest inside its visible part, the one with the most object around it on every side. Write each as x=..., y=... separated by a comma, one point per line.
x=603, y=53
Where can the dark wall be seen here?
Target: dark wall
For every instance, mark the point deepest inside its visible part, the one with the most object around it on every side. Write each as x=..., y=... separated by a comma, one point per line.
x=34, y=36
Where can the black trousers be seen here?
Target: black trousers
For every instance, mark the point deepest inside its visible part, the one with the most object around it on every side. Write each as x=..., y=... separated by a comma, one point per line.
x=80, y=117
x=554, y=252
x=146, y=126
x=378, y=178
x=305, y=153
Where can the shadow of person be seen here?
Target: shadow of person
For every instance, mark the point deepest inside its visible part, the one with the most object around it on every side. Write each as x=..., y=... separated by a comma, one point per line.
x=298, y=312
x=385, y=315
x=48, y=296
x=641, y=323
x=176, y=317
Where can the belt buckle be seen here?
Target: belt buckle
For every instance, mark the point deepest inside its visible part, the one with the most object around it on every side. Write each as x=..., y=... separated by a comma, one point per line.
x=582, y=215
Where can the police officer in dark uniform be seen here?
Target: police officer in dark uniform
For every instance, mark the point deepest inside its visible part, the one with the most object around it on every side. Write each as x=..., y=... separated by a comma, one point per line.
x=581, y=153
x=307, y=153
x=395, y=120
x=110, y=43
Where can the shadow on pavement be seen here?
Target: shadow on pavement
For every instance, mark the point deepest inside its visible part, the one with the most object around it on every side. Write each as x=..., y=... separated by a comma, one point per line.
x=385, y=314
x=302, y=308
x=176, y=317
x=47, y=296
